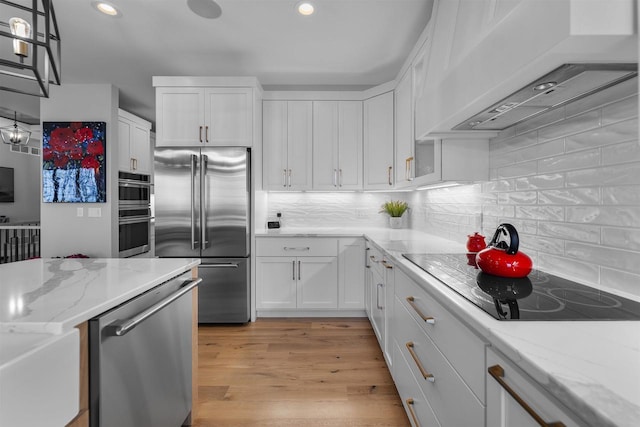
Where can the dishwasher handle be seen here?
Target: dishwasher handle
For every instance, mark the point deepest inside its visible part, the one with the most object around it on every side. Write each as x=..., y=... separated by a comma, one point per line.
x=120, y=329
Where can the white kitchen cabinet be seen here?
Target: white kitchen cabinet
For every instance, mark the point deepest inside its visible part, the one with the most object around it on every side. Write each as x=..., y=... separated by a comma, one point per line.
x=381, y=291
x=378, y=142
x=351, y=278
x=296, y=273
x=451, y=160
x=134, y=143
x=204, y=116
x=337, y=145
x=287, y=145
x=514, y=400
x=404, y=131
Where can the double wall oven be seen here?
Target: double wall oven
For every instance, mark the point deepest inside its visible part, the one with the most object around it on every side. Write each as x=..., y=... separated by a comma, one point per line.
x=134, y=214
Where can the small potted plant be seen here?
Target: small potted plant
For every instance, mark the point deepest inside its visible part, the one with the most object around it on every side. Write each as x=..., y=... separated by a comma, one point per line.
x=395, y=209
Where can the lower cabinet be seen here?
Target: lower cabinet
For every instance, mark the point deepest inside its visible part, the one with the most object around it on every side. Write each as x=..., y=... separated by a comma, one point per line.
x=514, y=400
x=301, y=275
x=381, y=288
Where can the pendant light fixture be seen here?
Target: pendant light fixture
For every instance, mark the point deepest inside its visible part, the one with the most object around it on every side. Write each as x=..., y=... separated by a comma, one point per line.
x=34, y=61
x=14, y=134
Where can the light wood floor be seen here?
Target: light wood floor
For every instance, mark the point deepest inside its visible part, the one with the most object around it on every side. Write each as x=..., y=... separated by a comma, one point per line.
x=295, y=372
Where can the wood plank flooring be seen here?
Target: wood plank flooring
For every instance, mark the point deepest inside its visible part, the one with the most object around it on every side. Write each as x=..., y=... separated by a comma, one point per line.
x=295, y=372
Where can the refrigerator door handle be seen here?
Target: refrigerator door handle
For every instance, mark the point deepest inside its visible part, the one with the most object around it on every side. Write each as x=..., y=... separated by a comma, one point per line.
x=219, y=265
x=204, y=163
x=194, y=161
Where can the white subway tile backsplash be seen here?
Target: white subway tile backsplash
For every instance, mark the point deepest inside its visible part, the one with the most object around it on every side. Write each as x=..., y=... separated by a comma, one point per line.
x=621, y=153
x=520, y=169
x=625, y=109
x=617, y=280
x=546, y=245
x=623, y=195
x=604, y=256
x=612, y=134
x=579, y=160
x=570, y=126
x=539, y=182
x=499, y=211
x=498, y=185
x=548, y=213
x=617, y=215
x=566, y=231
x=608, y=175
x=621, y=238
x=607, y=96
x=543, y=119
x=583, y=271
x=569, y=196
x=512, y=144
x=518, y=198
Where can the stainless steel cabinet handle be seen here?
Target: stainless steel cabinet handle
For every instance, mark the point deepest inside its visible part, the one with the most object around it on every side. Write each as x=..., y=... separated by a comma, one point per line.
x=289, y=248
x=293, y=270
x=340, y=178
x=194, y=160
x=126, y=327
x=389, y=174
x=497, y=372
x=386, y=265
x=335, y=177
x=200, y=133
x=299, y=268
x=220, y=265
x=289, y=179
x=380, y=307
x=426, y=375
x=284, y=178
x=412, y=302
x=206, y=133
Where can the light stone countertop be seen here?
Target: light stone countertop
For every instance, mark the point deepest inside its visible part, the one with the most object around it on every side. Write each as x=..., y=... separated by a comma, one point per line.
x=593, y=367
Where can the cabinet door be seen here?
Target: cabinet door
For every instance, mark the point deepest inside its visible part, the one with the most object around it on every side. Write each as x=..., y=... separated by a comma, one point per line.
x=350, y=148
x=378, y=142
x=274, y=139
x=140, y=149
x=378, y=306
x=229, y=117
x=276, y=277
x=317, y=282
x=404, y=132
x=325, y=145
x=351, y=274
x=179, y=116
x=299, y=148
x=124, y=143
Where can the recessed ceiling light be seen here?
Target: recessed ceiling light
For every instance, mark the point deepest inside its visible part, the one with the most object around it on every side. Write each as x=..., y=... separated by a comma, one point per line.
x=305, y=8
x=106, y=8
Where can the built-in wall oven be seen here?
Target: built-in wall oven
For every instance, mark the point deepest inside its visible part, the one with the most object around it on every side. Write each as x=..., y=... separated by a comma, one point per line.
x=134, y=214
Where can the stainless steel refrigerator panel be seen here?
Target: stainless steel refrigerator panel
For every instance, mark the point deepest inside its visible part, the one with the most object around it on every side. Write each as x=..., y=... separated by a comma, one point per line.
x=223, y=295
x=177, y=202
x=225, y=197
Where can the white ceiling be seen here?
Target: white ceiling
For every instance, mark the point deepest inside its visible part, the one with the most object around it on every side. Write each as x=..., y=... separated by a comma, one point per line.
x=345, y=45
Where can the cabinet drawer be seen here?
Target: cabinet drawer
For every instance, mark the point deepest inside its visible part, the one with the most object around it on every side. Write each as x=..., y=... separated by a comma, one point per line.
x=451, y=399
x=418, y=409
x=462, y=348
x=296, y=246
x=374, y=259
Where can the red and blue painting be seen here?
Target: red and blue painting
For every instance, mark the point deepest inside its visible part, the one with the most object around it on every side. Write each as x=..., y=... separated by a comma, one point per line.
x=74, y=162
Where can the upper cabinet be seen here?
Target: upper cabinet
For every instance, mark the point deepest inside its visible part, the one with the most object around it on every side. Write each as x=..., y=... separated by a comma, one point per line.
x=204, y=115
x=337, y=145
x=287, y=142
x=481, y=51
x=451, y=159
x=134, y=143
x=404, y=165
x=378, y=142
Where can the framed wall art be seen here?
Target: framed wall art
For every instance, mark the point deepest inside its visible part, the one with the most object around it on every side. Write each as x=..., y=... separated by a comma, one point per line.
x=74, y=161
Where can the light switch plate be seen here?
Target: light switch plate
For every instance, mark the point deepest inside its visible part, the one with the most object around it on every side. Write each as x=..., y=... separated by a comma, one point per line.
x=80, y=212
x=94, y=212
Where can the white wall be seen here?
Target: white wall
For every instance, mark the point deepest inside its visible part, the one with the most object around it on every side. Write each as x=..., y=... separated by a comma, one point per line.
x=570, y=183
x=63, y=231
x=26, y=184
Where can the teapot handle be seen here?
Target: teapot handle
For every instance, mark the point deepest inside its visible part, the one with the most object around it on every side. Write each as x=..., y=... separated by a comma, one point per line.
x=514, y=240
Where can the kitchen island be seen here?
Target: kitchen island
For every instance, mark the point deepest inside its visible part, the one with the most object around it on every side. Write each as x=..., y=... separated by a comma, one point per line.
x=45, y=306
x=592, y=368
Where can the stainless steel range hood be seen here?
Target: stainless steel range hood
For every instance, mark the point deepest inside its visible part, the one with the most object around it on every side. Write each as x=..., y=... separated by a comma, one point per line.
x=559, y=87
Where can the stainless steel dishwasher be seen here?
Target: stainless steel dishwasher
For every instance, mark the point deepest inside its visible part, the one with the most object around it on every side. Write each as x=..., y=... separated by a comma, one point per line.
x=140, y=359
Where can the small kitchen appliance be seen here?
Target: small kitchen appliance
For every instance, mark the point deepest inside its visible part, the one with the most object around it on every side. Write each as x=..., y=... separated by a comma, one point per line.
x=503, y=259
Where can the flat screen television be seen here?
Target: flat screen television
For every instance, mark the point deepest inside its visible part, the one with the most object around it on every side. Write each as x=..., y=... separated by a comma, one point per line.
x=6, y=185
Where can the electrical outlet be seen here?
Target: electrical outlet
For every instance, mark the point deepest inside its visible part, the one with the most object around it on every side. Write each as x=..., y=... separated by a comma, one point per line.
x=94, y=212
x=361, y=213
x=80, y=212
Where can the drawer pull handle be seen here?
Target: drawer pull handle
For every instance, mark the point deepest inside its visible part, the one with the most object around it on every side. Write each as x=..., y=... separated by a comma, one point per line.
x=306, y=248
x=372, y=258
x=409, y=403
x=386, y=265
x=430, y=320
x=497, y=372
x=427, y=376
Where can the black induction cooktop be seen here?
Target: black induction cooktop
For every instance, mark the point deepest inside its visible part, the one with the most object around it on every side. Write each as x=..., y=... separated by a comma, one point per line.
x=539, y=296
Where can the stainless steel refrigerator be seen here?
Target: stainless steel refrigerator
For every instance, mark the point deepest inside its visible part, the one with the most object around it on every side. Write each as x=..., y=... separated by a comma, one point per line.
x=202, y=207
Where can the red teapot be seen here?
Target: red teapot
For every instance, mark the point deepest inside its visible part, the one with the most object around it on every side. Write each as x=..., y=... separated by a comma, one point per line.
x=503, y=259
x=475, y=242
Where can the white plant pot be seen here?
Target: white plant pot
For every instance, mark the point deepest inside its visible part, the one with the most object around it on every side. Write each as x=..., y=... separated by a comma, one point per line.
x=395, y=221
